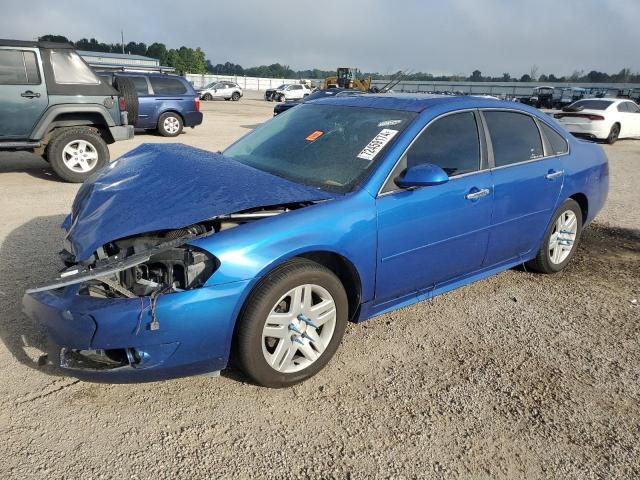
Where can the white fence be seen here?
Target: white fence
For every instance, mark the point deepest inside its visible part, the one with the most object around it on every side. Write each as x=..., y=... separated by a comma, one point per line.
x=247, y=83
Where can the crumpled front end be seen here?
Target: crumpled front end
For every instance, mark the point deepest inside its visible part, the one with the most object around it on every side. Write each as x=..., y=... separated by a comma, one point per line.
x=121, y=340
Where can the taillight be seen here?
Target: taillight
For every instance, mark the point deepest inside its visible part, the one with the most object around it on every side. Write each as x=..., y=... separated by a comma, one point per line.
x=123, y=104
x=590, y=116
x=197, y=103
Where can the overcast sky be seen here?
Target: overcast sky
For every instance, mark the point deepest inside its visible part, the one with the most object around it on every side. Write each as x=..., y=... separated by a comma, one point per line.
x=444, y=36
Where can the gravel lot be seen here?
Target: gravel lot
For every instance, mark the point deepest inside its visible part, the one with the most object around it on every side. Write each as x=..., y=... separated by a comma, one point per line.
x=520, y=375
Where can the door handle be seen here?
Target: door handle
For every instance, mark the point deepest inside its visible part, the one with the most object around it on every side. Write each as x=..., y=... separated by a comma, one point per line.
x=552, y=175
x=30, y=94
x=483, y=192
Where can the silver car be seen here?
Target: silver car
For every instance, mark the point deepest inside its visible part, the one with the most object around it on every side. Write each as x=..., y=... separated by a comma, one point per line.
x=226, y=90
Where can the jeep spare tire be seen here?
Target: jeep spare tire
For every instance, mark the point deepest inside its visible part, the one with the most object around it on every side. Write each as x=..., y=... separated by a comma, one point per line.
x=127, y=90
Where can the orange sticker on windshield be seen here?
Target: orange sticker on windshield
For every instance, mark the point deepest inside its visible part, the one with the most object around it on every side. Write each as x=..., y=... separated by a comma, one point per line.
x=314, y=136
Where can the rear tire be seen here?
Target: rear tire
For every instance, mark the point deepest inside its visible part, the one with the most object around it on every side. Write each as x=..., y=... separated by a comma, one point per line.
x=127, y=90
x=271, y=307
x=170, y=124
x=614, y=134
x=76, y=153
x=561, y=239
x=235, y=96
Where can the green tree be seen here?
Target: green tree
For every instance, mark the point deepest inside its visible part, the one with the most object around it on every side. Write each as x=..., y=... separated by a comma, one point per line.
x=159, y=51
x=54, y=38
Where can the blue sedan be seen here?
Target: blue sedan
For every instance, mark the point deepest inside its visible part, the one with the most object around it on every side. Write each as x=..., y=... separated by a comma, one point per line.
x=343, y=209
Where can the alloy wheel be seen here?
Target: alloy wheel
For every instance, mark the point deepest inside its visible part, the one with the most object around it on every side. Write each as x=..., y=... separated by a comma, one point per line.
x=80, y=156
x=563, y=237
x=299, y=328
x=171, y=125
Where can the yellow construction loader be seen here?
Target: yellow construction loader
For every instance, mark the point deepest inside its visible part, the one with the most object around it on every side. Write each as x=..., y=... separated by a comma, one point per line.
x=347, y=77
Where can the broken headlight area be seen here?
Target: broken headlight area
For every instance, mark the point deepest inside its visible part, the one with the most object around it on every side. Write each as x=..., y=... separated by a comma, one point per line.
x=172, y=270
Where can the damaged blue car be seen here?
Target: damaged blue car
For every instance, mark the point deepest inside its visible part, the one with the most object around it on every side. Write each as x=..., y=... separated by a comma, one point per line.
x=179, y=259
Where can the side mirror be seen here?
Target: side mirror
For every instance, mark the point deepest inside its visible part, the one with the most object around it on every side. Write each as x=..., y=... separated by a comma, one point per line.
x=423, y=175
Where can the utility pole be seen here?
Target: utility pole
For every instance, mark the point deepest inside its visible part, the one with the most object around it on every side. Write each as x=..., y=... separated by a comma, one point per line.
x=122, y=40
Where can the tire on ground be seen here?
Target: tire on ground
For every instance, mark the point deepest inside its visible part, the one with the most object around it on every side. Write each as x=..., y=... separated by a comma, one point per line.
x=56, y=156
x=248, y=337
x=127, y=90
x=542, y=262
x=164, y=130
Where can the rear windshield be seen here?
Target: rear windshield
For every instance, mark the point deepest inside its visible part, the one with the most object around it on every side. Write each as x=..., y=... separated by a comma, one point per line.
x=591, y=104
x=331, y=147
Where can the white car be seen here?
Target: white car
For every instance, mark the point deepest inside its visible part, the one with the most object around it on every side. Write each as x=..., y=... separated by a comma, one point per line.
x=293, y=91
x=602, y=118
x=226, y=90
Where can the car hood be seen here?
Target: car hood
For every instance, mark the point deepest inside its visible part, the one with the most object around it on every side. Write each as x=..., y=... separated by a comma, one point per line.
x=169, y=186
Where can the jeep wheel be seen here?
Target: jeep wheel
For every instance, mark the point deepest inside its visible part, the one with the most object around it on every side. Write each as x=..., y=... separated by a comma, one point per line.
x=128, y=91
x=170, y=124
x=76, y=153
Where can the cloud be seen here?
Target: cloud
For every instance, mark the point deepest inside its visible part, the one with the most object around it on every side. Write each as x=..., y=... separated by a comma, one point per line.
x=444, y=36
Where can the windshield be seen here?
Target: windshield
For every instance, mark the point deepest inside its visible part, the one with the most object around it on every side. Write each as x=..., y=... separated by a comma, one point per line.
x=591, y=104
x=327, y=146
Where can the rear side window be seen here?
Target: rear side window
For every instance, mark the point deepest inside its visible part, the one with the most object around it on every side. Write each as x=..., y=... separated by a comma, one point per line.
x=622, y=107
x=18, y=67
x=167, y=86
x=558, y=144
x=514, y=136
x=69, y=68
x=591, y=104
x=632, y=107
x=140, y=84
x=451, y=143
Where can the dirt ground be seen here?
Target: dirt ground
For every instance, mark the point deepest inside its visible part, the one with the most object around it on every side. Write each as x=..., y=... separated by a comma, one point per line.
x=520, y=375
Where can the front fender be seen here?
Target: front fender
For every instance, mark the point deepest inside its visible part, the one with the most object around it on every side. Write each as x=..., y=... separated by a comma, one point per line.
x=345, y=226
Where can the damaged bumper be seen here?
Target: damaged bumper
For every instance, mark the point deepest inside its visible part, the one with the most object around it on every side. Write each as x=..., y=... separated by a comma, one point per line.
x=112, y=340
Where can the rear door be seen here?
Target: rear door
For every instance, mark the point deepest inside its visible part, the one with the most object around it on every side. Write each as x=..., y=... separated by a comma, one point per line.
x=630, y=119
x=145, y=100
x=24, y=92
x=527, y=179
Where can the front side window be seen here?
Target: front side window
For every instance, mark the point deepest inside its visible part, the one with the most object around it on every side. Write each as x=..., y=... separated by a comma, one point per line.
x=167, y=86
x=451, y=142
x=556, y=142
x=514, y=136
x=69, y=68
x=331, y=147
x=18, y=67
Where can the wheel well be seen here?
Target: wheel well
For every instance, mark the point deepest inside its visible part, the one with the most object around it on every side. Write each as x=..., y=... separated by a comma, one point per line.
x=345, y=271
x=581, y=199
x=79, y=119
x=172, y=111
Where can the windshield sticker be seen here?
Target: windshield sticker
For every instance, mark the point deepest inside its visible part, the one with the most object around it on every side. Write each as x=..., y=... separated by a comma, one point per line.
x=314, y=136
x=378, y=143
x=389, y=123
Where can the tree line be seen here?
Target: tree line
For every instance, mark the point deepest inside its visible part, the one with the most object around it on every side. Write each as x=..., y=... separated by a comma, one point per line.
x=193, y=60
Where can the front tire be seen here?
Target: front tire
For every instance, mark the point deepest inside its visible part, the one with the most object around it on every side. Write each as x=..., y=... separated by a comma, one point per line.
x=76, y=153
x=282, y=98
x=207, y=97
x=561, y=239
x=170, y=124
x=292, y=324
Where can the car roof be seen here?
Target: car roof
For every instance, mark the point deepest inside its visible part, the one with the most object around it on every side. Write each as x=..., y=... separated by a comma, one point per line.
x=34, y=44
x=416, y=103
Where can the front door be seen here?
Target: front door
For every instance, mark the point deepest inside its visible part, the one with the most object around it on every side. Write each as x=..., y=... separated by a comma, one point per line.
x=527, y=183
x=24, y=93
x=431, y=235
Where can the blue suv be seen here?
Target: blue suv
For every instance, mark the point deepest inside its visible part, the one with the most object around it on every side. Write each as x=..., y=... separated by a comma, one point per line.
x=167, y=103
